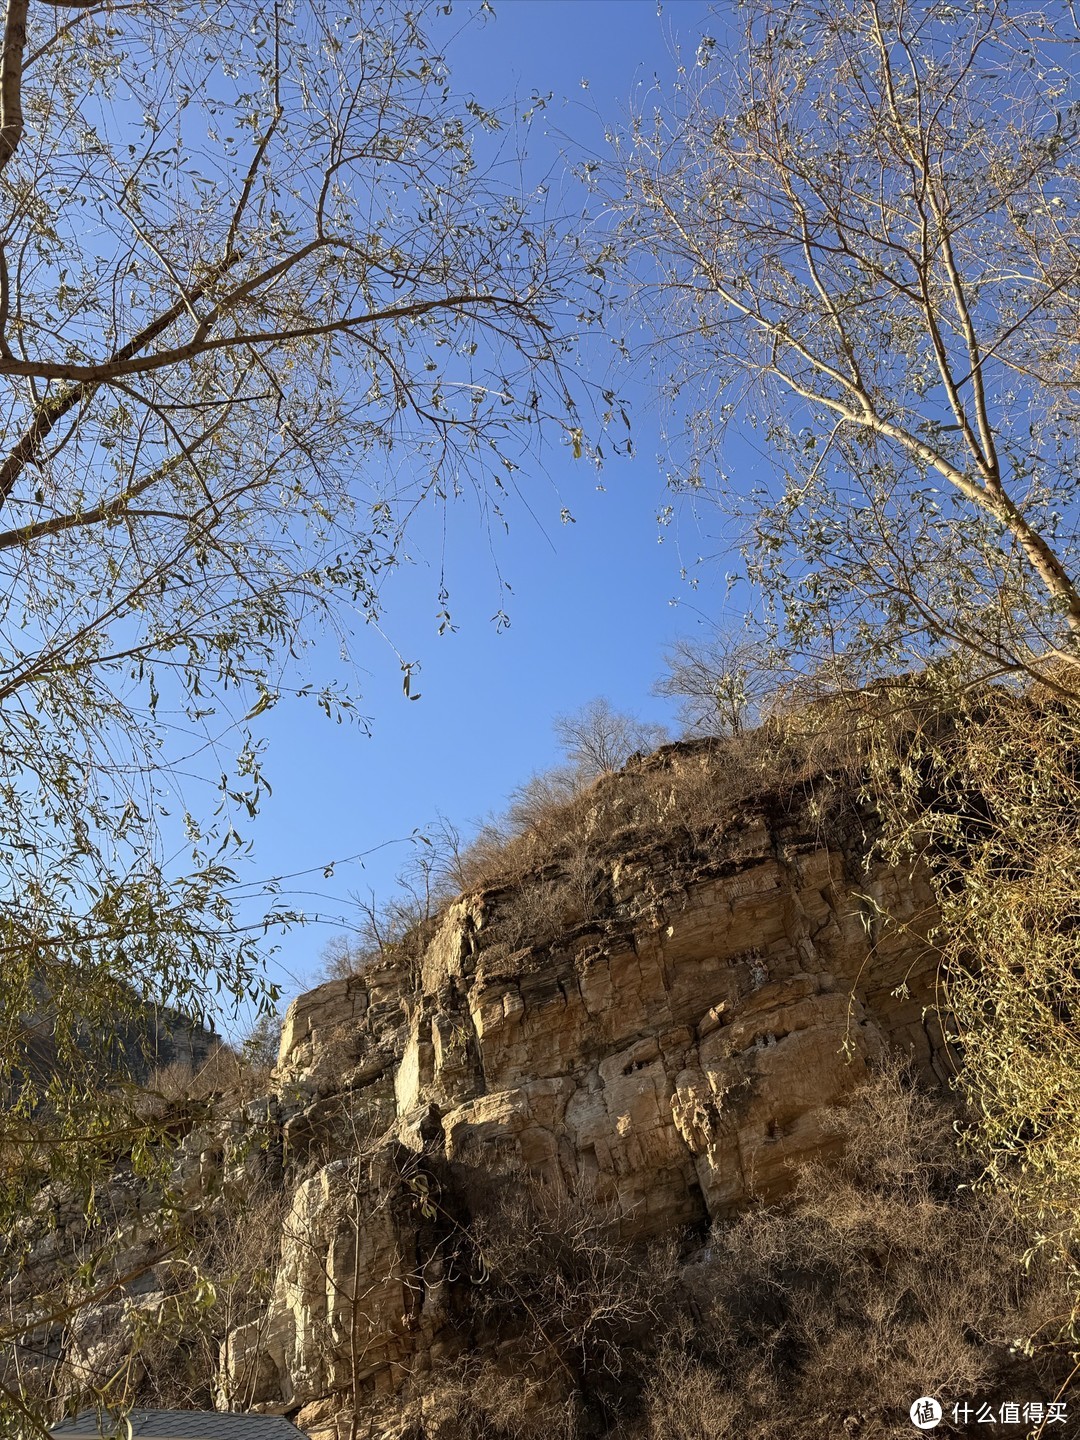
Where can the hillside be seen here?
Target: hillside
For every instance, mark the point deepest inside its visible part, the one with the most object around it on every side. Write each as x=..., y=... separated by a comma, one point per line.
x=554, y=1163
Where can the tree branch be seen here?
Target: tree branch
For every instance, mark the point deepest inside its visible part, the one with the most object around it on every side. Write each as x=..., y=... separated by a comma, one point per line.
x=123, y=363
x=11, y=66
x=51, y=410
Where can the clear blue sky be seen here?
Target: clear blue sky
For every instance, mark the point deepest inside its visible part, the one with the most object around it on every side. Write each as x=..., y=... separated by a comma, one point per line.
x=593, y=603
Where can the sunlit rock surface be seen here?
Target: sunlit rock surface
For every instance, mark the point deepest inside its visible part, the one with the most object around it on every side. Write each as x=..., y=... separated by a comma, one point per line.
x=672, y=1057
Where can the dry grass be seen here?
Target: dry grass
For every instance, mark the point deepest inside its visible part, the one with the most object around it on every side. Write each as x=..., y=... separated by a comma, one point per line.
x=559, y=1314
x=888, y=1276
x=550, y=856
x=811, y=750
x=225, y=1075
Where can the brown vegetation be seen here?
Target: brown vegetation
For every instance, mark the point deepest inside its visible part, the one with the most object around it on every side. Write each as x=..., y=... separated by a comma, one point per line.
x=550, y=855
x=223, y=1073
x=889, y=1275
x=225, y=1276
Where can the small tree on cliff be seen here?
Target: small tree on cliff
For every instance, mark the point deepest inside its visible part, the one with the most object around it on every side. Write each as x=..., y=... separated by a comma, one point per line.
x=598, y=739
x=858, y=233
x=258, y=304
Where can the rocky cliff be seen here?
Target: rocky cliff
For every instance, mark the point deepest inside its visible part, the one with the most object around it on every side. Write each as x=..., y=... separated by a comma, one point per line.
x=669, y=1057
x=664, y=1048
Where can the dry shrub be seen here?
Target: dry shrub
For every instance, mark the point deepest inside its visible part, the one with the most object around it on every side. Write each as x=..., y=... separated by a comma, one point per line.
x=226, y=1075
x=534, y=805
x=560, y=1316
x=169, y=1291
x=689, y=1401
x=991, y=803
x=889, y=1275
x=344, y=956
x=539, y=907
x=557, y=835
x=551, y=853
x=222, y=1072
x=225, y=1278
x=482, y=1398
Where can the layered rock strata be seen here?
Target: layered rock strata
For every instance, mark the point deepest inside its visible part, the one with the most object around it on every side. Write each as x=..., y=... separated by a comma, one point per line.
x=671, y=1058
x=658, y=1022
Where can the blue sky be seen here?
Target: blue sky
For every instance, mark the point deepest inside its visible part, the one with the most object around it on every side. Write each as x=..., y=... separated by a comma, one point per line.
x=593, y=603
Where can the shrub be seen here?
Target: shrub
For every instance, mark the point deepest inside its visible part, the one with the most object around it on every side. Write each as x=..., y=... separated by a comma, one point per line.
x=598, y=740
x=560, y=1315
x=225, y=1278
x=887, y=1275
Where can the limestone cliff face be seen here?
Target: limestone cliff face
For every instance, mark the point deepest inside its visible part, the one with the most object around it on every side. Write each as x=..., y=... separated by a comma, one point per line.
x=670, y=1056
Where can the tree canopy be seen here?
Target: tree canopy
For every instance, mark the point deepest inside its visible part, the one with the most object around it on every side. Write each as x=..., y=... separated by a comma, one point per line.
x=858, y=231
x=258, y=302
x=856, y=236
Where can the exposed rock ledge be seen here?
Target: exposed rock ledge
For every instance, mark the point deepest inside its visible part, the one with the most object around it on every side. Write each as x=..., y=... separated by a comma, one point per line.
x=672, y=1057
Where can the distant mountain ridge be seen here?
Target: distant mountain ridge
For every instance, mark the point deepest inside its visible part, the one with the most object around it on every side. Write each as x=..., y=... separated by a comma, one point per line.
x=146, y=1039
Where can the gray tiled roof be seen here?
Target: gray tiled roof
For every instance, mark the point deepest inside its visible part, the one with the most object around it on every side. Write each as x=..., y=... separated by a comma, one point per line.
x=178, y=1425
